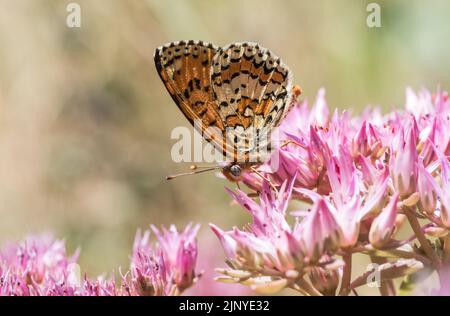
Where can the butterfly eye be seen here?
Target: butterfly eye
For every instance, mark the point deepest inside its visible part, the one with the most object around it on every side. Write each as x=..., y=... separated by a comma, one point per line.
x=235, y=170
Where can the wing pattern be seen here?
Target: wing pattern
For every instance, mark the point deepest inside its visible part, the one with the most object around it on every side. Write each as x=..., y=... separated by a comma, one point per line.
x=242, y=90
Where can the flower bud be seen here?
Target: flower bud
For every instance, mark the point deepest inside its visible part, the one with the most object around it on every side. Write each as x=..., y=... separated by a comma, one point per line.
x=383, y=225
x=444, y=193
x=426, y=188
x=320, y=231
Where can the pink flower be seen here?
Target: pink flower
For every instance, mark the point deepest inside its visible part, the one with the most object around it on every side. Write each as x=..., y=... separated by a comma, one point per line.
x=167, y=268
x=300, y=118
x=426, y=187
x=319, y=231
x=367, y=141
x=319, y=113
x=37, y=266
x=209, y=260
x=268, y=236
x=358, y=175
x=40, y=266
x=351, y=200
x=347, y=168
x=270, y=254
x=99, y=287
x=303, y=156
x=444, y=191
x=420, y=104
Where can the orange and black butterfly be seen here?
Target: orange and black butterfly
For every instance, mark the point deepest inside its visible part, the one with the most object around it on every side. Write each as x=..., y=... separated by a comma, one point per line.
x=238, y=94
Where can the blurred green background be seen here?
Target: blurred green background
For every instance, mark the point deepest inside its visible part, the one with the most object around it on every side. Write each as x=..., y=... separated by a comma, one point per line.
x=85, y=121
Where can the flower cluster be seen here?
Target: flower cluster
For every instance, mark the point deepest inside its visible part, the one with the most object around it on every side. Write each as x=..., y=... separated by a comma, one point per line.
x=168, y=268
x=362, y=178
x=336, y=186
x=40, y=266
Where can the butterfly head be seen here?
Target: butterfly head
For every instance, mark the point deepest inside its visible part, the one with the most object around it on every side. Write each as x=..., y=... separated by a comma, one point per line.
x=233, y=172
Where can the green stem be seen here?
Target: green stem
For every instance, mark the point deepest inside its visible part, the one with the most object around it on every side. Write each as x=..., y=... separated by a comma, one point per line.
x=347, y=274
x=415, y=225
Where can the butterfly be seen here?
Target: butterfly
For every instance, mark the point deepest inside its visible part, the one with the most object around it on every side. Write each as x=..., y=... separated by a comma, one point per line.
x=234, y=96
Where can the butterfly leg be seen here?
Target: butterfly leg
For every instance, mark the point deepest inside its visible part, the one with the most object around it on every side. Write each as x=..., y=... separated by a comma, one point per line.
x=289, y=141
x=264, y=178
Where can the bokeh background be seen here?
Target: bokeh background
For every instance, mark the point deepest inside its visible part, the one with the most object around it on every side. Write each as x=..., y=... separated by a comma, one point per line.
x=85, y=121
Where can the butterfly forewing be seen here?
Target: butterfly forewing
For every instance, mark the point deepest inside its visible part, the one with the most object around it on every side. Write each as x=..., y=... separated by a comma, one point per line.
x=184, y=67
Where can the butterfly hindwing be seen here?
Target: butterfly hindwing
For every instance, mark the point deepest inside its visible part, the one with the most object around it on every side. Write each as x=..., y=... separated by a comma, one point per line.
x=184, y=68
x=251, y=86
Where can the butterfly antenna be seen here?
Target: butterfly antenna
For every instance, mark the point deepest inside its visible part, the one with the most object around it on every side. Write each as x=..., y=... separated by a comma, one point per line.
x=195, y=169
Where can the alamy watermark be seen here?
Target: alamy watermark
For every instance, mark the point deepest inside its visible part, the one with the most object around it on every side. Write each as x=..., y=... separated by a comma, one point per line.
x=374, y=277
x=374, y=16
x=235, y=144
x=73, y=18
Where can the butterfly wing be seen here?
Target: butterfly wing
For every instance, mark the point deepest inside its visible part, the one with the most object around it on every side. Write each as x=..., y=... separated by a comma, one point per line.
x=185, y=69
x=252, y=88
